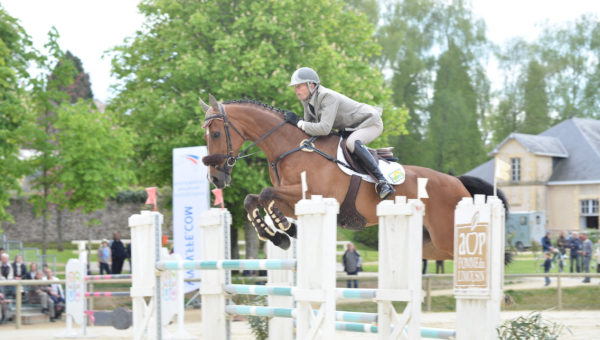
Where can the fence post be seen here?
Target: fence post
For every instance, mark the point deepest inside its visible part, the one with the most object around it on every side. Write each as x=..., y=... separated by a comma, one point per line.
x=559, y=291
x=428, y=293
x=19, y=303
x=316, y=267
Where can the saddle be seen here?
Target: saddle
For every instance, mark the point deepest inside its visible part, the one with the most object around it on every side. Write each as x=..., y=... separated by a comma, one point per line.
x=349, y=217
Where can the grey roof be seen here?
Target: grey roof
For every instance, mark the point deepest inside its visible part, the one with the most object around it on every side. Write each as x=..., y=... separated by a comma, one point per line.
x=574, y=142
x=539, y=145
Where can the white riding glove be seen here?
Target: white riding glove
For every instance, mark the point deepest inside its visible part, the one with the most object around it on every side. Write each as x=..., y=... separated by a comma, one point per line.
x=300, y=124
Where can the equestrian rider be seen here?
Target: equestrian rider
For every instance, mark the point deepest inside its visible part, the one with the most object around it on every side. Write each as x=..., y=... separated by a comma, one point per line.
x=325, y=109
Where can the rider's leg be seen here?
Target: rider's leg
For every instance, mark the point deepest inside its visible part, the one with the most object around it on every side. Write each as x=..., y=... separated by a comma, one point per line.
x=356, y=144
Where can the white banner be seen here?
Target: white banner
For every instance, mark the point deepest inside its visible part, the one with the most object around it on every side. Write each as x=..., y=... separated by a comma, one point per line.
x=191, y=196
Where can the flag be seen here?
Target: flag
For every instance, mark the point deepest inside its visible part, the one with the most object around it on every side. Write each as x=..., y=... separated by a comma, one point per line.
x=151, y=196
x=218, y=197
x=421, y=188
x=502, y=170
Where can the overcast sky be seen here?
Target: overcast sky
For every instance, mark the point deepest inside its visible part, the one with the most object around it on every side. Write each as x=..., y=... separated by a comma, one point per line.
x=90, y=27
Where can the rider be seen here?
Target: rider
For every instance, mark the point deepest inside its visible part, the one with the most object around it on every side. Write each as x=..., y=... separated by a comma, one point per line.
x=325, y=109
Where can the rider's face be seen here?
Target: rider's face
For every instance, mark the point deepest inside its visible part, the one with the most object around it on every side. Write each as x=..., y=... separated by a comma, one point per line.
x=302, y=91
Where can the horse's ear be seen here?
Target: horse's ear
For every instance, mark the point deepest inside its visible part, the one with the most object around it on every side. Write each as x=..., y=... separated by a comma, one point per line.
x=213, y=102
x=205, y=106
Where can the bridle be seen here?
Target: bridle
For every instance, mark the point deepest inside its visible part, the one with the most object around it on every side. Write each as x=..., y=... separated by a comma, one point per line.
x=230, y=159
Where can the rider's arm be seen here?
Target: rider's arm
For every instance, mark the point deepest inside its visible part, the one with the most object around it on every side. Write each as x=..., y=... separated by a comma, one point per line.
x=328, y=109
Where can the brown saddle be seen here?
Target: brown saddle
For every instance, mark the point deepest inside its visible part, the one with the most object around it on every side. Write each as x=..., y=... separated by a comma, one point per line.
x=349, y=217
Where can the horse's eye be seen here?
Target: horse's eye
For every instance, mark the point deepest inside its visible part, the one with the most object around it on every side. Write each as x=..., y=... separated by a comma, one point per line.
x=216, y=134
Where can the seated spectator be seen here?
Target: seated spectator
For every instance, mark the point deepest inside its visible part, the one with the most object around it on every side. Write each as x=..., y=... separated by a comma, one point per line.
x=3, y=303
x=33, y=269
x=38, y=294
x=19, y=268
x=6, y=273
x=56, y=294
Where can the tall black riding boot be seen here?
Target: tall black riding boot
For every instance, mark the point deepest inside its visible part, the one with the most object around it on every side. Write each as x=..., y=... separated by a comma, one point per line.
x=383, y=188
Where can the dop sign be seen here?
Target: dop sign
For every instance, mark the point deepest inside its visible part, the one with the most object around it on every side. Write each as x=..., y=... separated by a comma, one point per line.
x=471, y=253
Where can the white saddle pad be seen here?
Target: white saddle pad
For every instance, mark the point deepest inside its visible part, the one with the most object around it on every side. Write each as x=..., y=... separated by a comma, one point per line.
x=392, y=171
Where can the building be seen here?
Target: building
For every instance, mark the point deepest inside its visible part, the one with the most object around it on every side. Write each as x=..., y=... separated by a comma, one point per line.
x=557, y=172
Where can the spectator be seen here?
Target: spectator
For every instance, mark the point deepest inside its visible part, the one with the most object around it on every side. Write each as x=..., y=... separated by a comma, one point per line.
x=586, y=254
x=19, y=268
x=104, y=257
x=3, y=303
x=128, y=250
x=597, y=257
x=33, y=268
x=547, y=265
x=561, y=245
x=546, y=243
x=56, y=294
x=575, y=246
x=439, y=266
x=118, y=254
x=352, y=264
x=38, y=294
x=6, y=273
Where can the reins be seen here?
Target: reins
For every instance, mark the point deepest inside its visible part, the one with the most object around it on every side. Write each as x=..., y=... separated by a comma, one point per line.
x=231, y=159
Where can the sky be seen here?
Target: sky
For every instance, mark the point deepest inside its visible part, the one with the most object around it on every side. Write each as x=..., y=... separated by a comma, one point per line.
x=90, y=27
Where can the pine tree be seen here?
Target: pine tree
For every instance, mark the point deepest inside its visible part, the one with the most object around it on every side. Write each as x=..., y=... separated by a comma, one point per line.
x=535, y=100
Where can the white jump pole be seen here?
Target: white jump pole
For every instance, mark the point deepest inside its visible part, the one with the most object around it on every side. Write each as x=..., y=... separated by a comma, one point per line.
x=214, y=325
x=478, y=266
x=144, y=233
x=280, y=328
x=400, y=249
x=316, y=268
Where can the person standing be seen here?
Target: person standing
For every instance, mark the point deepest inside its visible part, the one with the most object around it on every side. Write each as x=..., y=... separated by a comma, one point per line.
x=118, y=253
x=561, y=245
x=546, y=243
x=352, y=262
x=574, y=255
x=104, y=258
x=586, y=253
x=547, y=265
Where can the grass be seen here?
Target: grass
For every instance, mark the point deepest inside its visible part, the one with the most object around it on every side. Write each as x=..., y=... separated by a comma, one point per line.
x=576, y=298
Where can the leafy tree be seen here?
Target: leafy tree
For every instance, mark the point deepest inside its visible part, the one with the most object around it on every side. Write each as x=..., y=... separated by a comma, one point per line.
x=15, y=53
x=81, y=86
x=235, y=49
x=537, y=117
x=454, y=137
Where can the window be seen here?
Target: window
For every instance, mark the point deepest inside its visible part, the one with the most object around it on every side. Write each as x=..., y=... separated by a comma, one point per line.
x=589, y=214
x=515, y=169
x=589, y=207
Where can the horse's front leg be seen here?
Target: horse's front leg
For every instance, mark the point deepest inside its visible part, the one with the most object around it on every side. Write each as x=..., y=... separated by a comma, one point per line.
x=278, y=203
x=263, y=230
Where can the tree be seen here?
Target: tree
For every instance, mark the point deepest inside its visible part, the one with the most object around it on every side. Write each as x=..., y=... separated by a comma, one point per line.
x=15, y=53
x=454, y=138
x=81, y=86
x=235, y=49
x=535, y=100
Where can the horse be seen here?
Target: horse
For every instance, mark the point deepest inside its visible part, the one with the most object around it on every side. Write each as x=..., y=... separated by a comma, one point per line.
x=230, y=124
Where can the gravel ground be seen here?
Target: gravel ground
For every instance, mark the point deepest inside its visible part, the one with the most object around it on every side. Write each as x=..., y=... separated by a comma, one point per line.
x=583, y=325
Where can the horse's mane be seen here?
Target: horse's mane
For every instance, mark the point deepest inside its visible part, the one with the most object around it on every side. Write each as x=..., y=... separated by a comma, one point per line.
x=258, y=103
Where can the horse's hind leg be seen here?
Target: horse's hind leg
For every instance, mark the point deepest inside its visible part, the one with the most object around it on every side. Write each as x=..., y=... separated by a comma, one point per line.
x=263, y=230
x=277, y=202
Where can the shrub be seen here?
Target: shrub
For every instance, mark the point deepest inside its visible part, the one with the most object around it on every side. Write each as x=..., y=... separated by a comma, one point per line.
x=369, y=236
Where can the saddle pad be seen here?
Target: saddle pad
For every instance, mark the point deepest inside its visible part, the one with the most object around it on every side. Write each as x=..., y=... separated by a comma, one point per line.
x=392, y=171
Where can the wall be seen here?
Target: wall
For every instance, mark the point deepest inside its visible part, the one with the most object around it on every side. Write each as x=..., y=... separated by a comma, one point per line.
x=28, y=228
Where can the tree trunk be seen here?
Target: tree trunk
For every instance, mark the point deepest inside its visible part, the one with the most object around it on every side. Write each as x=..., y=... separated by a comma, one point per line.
x=251, y=241
x=44, y=227
x=59, y=227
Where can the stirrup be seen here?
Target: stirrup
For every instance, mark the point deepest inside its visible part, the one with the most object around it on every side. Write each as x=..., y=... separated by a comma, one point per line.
x=379, y=186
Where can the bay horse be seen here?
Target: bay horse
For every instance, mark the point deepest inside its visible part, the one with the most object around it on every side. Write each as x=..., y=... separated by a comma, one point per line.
x=229, y=124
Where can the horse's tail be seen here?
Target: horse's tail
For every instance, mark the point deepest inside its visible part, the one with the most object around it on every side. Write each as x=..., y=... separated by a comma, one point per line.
x=477, y=186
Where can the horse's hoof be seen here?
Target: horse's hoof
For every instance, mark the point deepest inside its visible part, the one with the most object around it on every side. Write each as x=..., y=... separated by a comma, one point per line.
x=292, y=230
x=282, y=241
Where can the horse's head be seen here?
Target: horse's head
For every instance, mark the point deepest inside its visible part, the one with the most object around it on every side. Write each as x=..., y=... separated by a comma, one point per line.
x=223, y=140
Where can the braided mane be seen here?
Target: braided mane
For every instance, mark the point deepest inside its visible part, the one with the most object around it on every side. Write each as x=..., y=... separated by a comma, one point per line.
x=258, y=103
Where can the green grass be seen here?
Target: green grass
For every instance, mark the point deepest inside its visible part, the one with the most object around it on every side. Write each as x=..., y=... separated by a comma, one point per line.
x=576, y=298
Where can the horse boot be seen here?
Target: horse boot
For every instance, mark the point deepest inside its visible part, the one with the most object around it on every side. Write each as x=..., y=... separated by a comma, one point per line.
x=382, y=188
x=265, y=233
